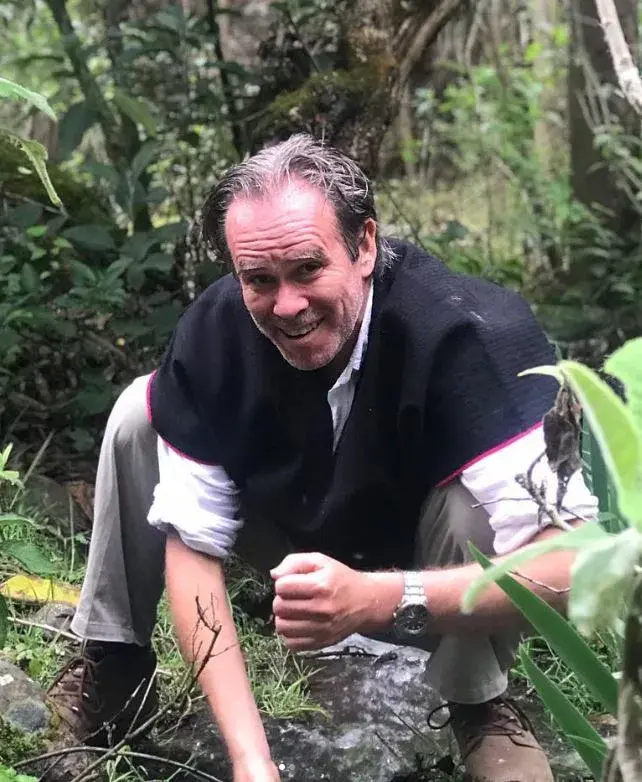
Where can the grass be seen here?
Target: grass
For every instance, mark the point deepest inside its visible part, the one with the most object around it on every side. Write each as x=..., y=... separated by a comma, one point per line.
x=607, y=648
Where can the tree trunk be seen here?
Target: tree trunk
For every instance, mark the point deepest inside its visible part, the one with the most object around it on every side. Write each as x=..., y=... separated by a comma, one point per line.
x=544, y=15
x=591, y=76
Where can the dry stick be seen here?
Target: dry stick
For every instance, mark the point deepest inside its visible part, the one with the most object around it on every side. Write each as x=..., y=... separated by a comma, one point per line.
x=132, y=734
x=49, y=628
x=58, y=753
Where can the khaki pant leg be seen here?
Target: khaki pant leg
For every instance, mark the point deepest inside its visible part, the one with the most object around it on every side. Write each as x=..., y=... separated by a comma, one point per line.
x=124, y=578
x=471, y=668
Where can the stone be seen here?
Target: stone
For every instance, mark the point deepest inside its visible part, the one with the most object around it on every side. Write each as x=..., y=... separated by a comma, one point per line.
x=56, y=615
x=21, y=700
x=377, y=699
x=53, y=500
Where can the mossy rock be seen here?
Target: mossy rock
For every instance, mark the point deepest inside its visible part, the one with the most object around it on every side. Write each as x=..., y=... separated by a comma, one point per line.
x=83, y=203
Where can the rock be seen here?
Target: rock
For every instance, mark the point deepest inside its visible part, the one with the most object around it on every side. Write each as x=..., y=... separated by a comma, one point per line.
x=374, y=730
x=21, y=700
x=54, y=500
x=56, y=615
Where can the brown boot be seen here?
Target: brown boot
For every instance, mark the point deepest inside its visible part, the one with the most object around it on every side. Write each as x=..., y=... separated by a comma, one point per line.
x=99, y=693
x=496, y=742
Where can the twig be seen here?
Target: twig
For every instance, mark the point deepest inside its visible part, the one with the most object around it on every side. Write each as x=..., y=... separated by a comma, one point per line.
x=133, y=733
x=49, y=628
x=126, y=753
x=348, y=651
x=72, y=534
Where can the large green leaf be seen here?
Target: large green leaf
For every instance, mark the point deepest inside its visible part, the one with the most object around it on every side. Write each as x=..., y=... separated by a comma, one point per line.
x=577, y=539
x=590, y=746
x=93, y=237
x=136, y=110
x=143, y=158
x=37, y=155
x=626, y=365
x=596, y=602
x=29, y=556
x=9, y=89
x=562, y=637
x=73, y=125
x=613, y=425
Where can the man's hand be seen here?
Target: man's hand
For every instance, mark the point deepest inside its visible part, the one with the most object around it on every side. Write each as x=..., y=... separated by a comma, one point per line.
x=319, y=601
x=257, y=769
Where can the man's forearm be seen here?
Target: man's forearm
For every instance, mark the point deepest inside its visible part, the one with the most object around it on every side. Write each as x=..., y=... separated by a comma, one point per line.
x=224, y=681
x=548, y=576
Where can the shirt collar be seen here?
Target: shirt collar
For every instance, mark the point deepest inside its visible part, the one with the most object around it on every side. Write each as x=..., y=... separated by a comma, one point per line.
x=356, y=358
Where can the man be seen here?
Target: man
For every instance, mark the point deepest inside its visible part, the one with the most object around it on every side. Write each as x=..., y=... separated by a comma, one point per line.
x=348, y=400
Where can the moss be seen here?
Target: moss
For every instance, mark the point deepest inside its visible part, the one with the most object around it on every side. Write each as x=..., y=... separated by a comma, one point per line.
x=16, y=745
x=82, y=202
x=330, y=99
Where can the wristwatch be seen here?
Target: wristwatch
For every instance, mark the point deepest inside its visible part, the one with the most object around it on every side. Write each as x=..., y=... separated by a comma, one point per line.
x=412, y=617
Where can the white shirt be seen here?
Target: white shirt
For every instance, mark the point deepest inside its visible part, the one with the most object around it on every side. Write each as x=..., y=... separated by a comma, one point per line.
x=201, y=502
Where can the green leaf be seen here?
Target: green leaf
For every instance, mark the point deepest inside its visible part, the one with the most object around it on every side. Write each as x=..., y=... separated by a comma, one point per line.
x=561, y=636
x=626, y=365
x=136, y=110
x=614, y=428
x=9, y=89
x=590, y=746
x=72, y=127
x=596, y=602
x=29, y=556
x=143, y=158
x=162, y=262
x=93, y=237
x=9, y=519
x=37, y=154
x=30, y=279
x=4, y=621
x=577, y=539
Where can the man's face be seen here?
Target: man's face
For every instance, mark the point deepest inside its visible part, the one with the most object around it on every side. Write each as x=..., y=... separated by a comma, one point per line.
x=299, y=284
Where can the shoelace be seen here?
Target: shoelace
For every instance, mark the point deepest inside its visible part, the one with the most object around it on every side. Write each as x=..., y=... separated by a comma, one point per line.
x=78, y=682
x=506, y=719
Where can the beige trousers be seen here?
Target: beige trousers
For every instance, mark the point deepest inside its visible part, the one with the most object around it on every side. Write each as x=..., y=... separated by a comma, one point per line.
x=124, y=579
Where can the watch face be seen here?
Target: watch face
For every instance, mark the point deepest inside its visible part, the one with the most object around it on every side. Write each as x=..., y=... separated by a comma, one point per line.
x=412, y=619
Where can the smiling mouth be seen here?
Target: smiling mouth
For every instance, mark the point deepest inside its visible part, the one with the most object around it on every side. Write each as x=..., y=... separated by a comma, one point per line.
x=301, y=333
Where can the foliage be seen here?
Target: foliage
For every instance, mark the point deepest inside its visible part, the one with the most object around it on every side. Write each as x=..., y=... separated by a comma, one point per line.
x=594, y=604
x=36, y=153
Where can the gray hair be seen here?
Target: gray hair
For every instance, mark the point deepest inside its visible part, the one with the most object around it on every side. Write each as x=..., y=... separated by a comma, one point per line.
x=304, y=158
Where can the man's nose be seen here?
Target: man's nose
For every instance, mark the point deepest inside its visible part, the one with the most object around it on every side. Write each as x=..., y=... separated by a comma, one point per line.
x=289, y=302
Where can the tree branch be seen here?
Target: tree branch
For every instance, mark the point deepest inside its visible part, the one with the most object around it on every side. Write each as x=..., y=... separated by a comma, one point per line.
x=73, y=49
x=627, y=73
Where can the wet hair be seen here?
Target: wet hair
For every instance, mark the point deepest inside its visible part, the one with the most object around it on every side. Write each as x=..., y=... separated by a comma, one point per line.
x=308, y=160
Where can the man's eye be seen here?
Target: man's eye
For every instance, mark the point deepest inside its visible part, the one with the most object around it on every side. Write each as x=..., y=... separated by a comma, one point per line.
x=308, y=269
x=258, y=280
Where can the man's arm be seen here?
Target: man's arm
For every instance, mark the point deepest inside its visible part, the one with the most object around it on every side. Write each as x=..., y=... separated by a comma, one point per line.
x=320, y=601
x=191, y=575
x=548, y=576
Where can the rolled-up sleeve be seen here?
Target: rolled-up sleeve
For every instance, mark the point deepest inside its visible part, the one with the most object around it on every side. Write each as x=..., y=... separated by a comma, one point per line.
x=513, y=513
x=199, y=501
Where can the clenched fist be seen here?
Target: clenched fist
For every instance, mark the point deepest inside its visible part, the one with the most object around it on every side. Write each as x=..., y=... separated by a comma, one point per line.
x=319, y=601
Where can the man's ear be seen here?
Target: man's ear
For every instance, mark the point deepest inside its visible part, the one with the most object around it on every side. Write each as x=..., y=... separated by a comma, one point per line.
x=368, y=247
